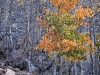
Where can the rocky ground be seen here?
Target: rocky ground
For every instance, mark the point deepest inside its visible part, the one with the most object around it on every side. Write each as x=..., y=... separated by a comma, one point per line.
x=17, y=62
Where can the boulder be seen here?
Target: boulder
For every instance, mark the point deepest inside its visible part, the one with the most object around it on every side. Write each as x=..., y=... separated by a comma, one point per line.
x=2, y=71
x=10, y=72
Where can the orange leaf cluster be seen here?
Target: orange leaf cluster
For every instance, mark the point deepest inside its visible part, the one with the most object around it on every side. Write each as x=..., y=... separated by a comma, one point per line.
x=46, y=44
x=64, y=5
x=56, y=3
x=69, y=45
x=81, y=13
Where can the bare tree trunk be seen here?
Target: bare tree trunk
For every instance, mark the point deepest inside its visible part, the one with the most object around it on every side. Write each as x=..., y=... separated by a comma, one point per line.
x=61, y=62
x=55, y=64
x=94, y=57
x=8, y=20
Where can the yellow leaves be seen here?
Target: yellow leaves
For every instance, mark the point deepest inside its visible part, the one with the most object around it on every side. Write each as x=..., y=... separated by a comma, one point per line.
x=99, y=55
x=81, y=47
x=51, y=55
x=21, y=2
x=88, y=40
x=70, y=59
x=98, y=36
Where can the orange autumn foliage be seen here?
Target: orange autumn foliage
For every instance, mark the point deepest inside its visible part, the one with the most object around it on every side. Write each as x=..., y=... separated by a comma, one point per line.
x=49, y=45
x=69, y=45
x=61, y=35
x=81, y=13
x=46, y=44
x=64, y=5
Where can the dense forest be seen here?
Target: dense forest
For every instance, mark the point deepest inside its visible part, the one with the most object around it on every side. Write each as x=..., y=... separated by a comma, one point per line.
x=49, y=37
